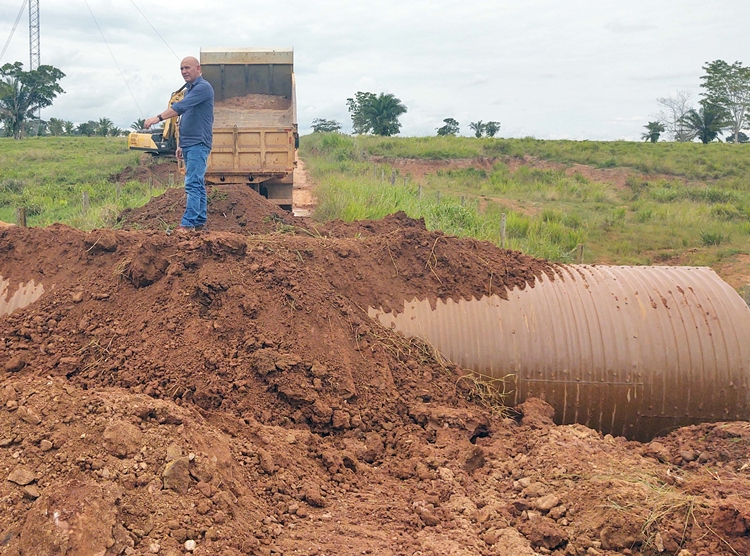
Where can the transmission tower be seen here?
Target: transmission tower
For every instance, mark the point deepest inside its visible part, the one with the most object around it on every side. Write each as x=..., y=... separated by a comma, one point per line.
x=34, y=55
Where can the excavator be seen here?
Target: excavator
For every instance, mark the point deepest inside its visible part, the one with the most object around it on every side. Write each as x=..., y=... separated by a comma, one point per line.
x=163, y=141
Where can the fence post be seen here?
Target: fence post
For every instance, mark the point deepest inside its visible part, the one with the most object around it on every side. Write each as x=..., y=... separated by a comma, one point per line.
x=150, y=186
x=382, y=174
x=502, y=230
x=419, y=191
x=393, y=177
x=85, y=202
x=21, y=216
x=438, y=197
x=463, y=200
x=579, y=253
x=171, y=179
x=118, y=189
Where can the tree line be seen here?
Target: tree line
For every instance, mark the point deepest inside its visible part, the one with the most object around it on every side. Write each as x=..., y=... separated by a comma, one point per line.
x=724, y=107
x=24, y=93
x=379, y=115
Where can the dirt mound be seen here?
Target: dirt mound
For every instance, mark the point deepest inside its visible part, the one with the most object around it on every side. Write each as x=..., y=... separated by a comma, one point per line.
x=226, y=393
x=157, y=170
x=231, y=208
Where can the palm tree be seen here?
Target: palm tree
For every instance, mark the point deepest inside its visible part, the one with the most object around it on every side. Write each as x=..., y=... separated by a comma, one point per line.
x=103, y=126
x=706, y=123
x=653, y=131
x=383, y=112
x=138, y=124
x=478, y=128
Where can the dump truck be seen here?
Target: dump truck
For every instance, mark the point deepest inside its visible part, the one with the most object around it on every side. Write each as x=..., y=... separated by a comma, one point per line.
x=255, y=134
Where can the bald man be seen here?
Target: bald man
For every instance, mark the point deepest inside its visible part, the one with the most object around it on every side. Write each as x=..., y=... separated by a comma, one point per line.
x=196, y=111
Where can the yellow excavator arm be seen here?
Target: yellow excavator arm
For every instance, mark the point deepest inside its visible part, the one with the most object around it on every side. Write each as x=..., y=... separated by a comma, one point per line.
x=163, y=141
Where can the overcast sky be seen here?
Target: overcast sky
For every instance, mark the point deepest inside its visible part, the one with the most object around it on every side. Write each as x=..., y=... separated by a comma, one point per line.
x=552, y=69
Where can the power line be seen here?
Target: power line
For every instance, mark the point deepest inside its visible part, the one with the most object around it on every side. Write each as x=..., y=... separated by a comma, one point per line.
x=113, y=57
x=20, y=13
x=154, y=28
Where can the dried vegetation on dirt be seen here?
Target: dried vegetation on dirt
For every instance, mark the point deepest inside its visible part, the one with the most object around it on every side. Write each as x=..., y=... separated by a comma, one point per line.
x=224, y=392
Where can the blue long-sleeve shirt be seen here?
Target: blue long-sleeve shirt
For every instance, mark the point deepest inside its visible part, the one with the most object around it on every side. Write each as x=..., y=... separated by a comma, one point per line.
x=196, y=111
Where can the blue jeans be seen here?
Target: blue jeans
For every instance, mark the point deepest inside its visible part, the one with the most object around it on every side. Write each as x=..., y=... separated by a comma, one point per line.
x=196, y=159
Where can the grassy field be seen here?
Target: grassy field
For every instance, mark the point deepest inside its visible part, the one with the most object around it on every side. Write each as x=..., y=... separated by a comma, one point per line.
x=682, y=204
x=49, y=176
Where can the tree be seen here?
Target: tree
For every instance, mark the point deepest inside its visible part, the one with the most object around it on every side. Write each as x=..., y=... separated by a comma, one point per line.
x=115, y=131
x=742, y=138
x=451, y=127
x=138, y=124
x=485, y=129
x=672, y=116
x=478, y=128
x=103, y=126
x=491, y=129
x=56, y=127
x=86, y=128
x=653, y=131
x=69, y=127
x=320, y=125
x=705, y=124
x=23, y=93
x=377, y=114
x=727, y=88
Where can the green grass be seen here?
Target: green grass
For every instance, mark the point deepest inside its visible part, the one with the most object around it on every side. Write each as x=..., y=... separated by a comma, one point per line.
x=49, y=176
x=548, y=213
x=694, y=161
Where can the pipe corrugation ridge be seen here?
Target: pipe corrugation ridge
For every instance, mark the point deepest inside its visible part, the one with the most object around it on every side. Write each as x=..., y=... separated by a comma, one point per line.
x=632, y=351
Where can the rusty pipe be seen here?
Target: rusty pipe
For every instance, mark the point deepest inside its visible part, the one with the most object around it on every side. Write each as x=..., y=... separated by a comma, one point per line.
x=631, y=351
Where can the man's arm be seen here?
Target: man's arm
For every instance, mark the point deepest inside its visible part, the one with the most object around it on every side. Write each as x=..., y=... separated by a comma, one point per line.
x=168, y=113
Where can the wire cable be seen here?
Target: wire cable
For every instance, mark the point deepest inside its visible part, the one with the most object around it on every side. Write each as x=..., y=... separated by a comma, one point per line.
x=113, y=56
x=154, y=28
x=20, y=13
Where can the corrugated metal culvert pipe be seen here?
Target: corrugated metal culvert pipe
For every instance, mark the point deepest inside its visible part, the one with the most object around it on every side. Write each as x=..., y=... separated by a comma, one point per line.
x=632, y=351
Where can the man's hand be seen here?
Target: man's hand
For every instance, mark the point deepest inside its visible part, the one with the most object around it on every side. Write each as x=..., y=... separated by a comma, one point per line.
x=151, y=121
x=179, y=153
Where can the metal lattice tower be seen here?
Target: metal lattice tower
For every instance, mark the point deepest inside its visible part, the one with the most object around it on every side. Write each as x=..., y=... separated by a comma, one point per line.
x=34, y=54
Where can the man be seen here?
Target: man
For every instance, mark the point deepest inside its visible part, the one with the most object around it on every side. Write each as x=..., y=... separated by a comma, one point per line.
x=196, y=123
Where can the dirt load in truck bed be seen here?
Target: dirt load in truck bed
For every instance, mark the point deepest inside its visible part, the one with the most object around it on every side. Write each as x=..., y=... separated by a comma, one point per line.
x=254, y=111
x=224, y=392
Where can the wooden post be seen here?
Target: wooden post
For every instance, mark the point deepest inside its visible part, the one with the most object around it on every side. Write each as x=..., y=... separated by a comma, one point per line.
x=463, y=200
x=502, y=230
x=171, y=179
x=406, y=180
x=393, y=177
x=21, y=216
x=118, y=189
x=438, y=197
x=382, y=174
x=419, y=191
x=150, y=186
x=85, y=202
x=579, y=253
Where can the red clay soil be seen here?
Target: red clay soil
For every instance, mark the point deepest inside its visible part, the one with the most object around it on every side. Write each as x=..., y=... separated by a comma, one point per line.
x=224, y=392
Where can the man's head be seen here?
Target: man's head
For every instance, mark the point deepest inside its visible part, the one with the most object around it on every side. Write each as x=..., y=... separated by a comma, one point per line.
x=190, y=68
